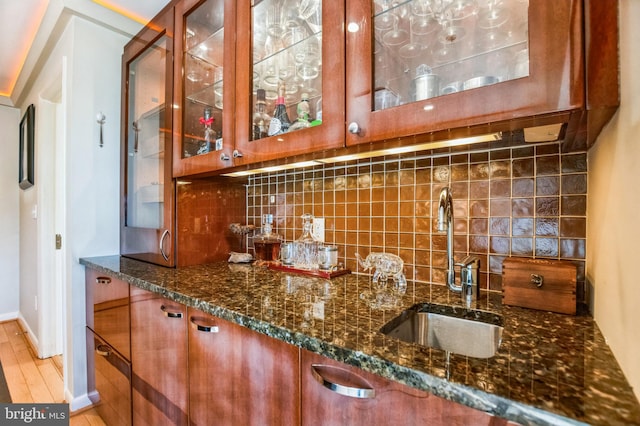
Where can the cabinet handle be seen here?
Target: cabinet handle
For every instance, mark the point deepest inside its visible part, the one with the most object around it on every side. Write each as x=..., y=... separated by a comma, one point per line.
x=236, y=153
x=204, y=328
x=103, y=280
x=170, y=314
x=345, y=390
x=164, y=235
x=354, y=128
x=224, y=157
x=103, y=350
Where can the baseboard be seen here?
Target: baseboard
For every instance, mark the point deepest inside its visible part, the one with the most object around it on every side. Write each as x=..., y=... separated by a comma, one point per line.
x=31, y=339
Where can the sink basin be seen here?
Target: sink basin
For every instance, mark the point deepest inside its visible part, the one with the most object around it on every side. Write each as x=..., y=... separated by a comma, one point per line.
x=464, y=332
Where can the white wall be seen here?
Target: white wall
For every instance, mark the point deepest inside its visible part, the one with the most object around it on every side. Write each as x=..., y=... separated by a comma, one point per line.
x=84, y=66
x=613, y=214
x=9, y=216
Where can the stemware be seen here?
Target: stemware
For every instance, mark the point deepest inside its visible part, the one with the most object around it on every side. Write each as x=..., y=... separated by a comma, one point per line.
x=396, y=37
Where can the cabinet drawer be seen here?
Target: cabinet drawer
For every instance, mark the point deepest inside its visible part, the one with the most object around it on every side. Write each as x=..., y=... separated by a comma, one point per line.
x=108, y=310
x=109, y=381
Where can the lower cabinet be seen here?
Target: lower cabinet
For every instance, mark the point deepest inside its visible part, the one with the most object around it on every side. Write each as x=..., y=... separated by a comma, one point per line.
x=159, y=360
x=240, y=377
x=109, y=380
x=334, y=393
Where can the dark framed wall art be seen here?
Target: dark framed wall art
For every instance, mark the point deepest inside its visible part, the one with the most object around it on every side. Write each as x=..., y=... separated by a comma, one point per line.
x=26, y=165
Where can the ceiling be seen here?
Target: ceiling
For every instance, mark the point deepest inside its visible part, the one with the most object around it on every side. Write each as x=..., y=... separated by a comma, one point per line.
x=20, y=20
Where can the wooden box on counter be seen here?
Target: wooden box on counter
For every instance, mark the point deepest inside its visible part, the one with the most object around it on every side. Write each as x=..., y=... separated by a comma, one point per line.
x=548, y=285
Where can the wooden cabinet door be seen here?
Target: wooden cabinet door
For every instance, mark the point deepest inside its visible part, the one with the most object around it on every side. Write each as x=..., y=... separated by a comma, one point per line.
x=204, y=86
x=159, y=359
x=334, y=393
x=107, y=309
x=108, y=381
x=238, y=376
x=147, y=211
x=534, y=64
x=280, y=44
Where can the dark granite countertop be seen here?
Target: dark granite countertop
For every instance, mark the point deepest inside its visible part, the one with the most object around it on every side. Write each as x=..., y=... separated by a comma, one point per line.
x=551, y=369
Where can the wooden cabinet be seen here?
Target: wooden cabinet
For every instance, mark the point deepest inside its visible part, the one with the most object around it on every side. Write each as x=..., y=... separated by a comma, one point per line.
x=147, y=190
x=335, y=393
x=238, y=376
x=108, y=350
x=204, y=86
x=297, y=47
x=493, y=65
x=158, y=359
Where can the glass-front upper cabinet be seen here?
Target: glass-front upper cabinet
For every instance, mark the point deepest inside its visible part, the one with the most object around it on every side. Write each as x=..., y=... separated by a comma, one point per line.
x=290, y=78
x=148, y=192
x=430, y=65
x=204, y=86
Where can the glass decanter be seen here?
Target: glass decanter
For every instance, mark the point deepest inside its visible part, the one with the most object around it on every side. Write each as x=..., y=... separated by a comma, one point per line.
x=306, y=247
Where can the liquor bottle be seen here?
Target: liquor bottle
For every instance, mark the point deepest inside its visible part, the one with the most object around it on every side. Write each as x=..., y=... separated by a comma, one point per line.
x=280, y=121
x=261, y=119
x=303, y=114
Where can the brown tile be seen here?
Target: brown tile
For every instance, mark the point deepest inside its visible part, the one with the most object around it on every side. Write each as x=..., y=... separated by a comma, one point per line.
x=574, y=163
x=522, y=246
x=391, y=194
x=459, y=172
x=478, y=244
x=351, y=238
x=423, y=241
x=460, y=244
x=391, y=208
x=495, y=282
x=423, y=224
x=547, y=206
x=377, y=239
x=407, y=193
x=573, y=205
x=479, y=171
x=391, y=224
x=407, y=224
x=377, y=179
x=479, y=208
x=523, y=167
x=476, y=157
x=423, y=274
x=423, y=257
x=500, y=169
x=499, y=245
x=377, y=194
x=523, y=187
x=573, y=227
x=495, y=264
x=500, y=207
x=572, y=248
x=548, y=165
x=460, y=159
x=522, y=227
x=423, y=176
x=479, y=190
x=500, y=188
x=500, y=154
x=547, y=227
x=522, y=207
x=364, y=223
x=364, y=239
x=441, y=174
x=479, y=226
x=439, y=242
x=574, y=184
x=547, y=149
x=526, y=151
x=499, y=226
x=546, y=247
x=352, y=223
x=547, y=185
x=406, y=240
x=340, y=209
x=407, y=177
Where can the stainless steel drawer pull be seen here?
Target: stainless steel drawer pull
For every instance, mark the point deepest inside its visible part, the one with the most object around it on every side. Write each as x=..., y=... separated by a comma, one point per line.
x=342, y=389
x=103, y=350
x=204, y=328
x=170, y=314
x=164, y=235
x=103, y=280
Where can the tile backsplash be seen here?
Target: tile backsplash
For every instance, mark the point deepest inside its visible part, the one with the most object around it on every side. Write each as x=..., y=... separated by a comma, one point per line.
x=526, y=201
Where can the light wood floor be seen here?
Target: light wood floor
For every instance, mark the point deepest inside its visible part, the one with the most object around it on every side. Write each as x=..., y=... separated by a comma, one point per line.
x=31, y=379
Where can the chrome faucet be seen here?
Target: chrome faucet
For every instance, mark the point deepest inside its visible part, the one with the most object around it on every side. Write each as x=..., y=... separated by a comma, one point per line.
x=470, y=266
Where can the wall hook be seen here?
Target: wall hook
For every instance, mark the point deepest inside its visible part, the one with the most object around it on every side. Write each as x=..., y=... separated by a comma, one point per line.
x=101, y=119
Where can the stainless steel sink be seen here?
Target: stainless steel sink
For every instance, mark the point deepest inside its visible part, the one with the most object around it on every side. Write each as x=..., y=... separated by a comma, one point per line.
x=471, y=333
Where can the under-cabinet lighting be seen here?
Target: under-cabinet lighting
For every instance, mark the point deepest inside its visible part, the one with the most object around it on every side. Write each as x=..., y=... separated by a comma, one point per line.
x=413, y=148
x=370, y=154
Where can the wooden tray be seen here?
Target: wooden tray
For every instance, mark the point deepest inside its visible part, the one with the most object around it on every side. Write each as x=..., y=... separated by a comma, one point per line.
x=317, y=273
x=548, y=285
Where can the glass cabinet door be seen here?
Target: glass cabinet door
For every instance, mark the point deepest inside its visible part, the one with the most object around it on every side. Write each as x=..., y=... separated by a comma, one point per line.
x=204, y=88
x=147, y=184
x=434, y=65
x=290, y=78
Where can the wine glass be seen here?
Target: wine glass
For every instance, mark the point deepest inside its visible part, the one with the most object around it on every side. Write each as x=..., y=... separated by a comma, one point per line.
x=396, y=37
x=419, y=28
